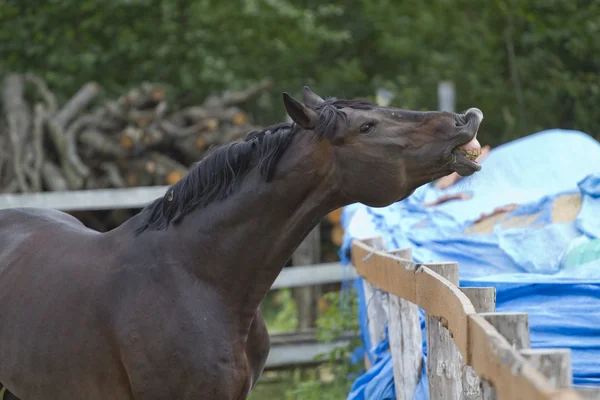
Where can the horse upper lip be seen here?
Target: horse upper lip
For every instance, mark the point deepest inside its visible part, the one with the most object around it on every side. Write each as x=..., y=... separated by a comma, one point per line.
x=473, y=118
x=465, y=139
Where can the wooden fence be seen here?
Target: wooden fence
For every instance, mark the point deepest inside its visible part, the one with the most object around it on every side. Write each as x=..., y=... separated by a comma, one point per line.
x=473, y=352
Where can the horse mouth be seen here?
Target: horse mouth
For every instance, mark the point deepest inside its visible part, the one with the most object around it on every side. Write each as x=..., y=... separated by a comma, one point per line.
x=465, y=163
x=466, y=153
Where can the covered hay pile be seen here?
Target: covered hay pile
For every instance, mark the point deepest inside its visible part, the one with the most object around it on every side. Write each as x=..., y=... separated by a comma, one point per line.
x=564, y=209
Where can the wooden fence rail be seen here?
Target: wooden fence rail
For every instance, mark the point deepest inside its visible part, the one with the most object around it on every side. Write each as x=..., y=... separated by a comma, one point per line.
x=473, y=352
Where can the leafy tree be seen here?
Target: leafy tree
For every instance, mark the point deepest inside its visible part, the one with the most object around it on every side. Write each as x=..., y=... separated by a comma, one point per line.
x=528, y=64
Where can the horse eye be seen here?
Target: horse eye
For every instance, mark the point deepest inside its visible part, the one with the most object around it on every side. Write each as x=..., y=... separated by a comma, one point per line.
x=366, y=127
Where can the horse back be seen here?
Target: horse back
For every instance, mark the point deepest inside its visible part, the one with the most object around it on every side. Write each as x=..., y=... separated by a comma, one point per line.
x=30, y=231
x=13, y=218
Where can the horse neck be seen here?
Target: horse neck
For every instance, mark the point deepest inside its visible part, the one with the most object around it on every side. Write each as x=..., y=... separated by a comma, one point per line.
x=242, y=243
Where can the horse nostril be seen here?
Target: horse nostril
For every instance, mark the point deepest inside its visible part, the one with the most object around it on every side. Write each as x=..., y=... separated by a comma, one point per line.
x=474, y=113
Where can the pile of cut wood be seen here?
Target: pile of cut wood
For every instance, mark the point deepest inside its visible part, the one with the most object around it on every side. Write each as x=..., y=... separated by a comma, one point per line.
x=138, y=139
x=134, y=140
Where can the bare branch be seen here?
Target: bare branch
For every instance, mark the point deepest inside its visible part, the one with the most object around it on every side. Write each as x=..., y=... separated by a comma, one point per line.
x=232, y=98
x=53, y=177
x=77, y=104
x=74, y=169
x=47, y=95
x=39, y=121
x=113, y=175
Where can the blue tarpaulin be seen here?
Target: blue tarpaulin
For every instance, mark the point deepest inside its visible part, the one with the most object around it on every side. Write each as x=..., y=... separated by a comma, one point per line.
x=537, y=264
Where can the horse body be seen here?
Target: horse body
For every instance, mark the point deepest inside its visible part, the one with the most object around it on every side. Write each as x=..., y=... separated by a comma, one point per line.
x=49, y=303
x=167, y=305
x=121, y=326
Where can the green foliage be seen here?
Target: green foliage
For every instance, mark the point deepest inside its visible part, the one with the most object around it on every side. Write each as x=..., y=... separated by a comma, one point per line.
x=528, y=64
x=341, y=316
x=334, y=377
x=280, y=311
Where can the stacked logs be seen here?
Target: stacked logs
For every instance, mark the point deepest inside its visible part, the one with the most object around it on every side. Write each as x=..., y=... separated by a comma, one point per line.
x=134, y=140
x=334, y=219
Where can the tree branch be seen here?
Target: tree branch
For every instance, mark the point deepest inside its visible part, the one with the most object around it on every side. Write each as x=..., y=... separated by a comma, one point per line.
x=231, y=98
x=39, y=121
x=53, y=177
x=74, y=169
x=77, y=104
x=45, y=93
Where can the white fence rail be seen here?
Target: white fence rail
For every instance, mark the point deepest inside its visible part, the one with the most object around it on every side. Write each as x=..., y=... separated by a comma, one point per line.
x=88, y=200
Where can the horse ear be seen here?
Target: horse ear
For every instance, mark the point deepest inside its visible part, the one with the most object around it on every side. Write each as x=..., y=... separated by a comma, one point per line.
x=310, y=98
x=303, y=116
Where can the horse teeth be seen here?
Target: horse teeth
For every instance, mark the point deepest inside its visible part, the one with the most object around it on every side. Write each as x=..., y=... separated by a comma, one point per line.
x=470, y=154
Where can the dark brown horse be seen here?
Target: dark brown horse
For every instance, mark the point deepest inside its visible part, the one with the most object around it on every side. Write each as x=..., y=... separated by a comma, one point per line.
x=166, y=306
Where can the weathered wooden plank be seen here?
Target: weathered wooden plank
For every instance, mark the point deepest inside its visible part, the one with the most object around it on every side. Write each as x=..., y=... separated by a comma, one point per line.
x=588, y=393
x=376, y=299
x=443, y=357
x=382, y=270
x=441, y=298
x=483, y=300
x=495, y=360
x=406, y=342
x=554, y=364
x=514, y=327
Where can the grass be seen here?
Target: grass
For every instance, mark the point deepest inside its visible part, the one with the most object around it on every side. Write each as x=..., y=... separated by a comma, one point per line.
x=318, y=383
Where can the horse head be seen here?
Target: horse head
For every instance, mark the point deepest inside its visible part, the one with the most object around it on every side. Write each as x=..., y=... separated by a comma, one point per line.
x=380, y=155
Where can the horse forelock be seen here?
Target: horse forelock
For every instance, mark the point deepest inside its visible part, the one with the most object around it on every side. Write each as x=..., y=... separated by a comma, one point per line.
x=214, y=177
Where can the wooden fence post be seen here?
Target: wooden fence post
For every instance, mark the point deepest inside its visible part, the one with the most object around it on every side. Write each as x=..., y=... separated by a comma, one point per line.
x=484, y=301
x=482, y=298
x=446, y=96
x=376, y=303
x=307, y=297
x=406, y=341
x=588, y=393
x=554, y=364
x=443, y=357
x=490, y=341
x=515, y=328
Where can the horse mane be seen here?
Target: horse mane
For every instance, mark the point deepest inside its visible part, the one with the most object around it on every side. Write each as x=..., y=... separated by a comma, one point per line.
x=214, y=177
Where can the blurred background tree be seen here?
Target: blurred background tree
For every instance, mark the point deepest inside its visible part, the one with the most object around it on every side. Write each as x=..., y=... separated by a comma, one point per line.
x=529, y=65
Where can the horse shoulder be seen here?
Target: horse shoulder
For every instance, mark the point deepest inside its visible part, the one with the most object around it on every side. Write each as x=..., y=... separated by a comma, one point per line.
x=173, y=332
x=257, y=348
